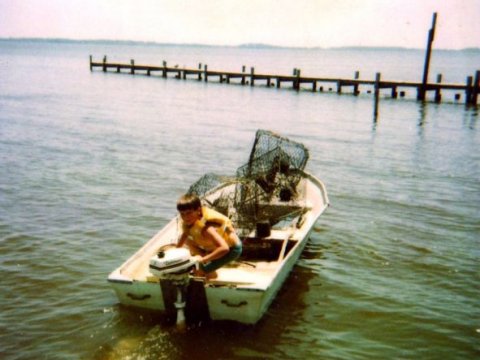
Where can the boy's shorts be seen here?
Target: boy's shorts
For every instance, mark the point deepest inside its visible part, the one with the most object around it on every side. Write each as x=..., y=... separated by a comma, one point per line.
x=233, y=254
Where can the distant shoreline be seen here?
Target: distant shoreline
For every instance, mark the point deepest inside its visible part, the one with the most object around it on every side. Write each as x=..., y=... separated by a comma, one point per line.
x=241, y=46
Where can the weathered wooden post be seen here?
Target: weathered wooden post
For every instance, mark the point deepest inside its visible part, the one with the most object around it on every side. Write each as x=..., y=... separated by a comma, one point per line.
x=91, y=63
x=431, y=34
x=394, y=92
x=205, y=72
x=200, y=72
x=438, y=93
x=243, y=76
x=132, y=67
x=468, y=90
x=376, y=93
x=355, y=87
x=476, y=87
x=164, y=71
x=252, y=76
x=297, y=80
x=104, y=67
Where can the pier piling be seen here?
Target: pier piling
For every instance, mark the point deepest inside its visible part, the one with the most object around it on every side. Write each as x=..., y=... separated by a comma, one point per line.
x=376, y=93
x=431, y=36
x=296, y=84
x=438, y=94
x=468, y=90
x=355, y=86
x=476, y=87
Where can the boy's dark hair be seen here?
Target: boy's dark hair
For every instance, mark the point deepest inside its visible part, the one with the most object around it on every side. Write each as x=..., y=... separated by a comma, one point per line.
x=188, y=202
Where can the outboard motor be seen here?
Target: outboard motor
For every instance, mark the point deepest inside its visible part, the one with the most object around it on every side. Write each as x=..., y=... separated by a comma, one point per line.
x=175, y=265
x=172, y=263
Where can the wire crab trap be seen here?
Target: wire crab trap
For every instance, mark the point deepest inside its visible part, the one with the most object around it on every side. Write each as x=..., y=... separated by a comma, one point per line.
x=221, y=200
x=271, y=176
x=266, y=189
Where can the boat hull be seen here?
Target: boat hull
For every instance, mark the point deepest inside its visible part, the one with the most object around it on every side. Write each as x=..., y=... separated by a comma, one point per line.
x=245, y=305
x=240, y=294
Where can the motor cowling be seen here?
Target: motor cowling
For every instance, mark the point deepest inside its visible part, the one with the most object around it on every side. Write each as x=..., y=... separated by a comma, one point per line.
x=174, y=261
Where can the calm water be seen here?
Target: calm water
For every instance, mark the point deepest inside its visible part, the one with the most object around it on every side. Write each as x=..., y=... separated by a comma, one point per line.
x=91, y=165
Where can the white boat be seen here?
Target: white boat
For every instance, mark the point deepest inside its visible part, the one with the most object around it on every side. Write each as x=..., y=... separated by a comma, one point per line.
x=273, y=204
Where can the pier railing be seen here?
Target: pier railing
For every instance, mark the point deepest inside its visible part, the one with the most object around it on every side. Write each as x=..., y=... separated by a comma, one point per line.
x=470, y=89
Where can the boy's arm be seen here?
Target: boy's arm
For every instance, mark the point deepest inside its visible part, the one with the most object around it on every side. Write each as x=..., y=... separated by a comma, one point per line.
x=181, y=240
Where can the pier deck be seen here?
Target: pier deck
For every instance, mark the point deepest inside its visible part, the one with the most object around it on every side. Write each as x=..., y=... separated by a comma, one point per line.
x=470, y=88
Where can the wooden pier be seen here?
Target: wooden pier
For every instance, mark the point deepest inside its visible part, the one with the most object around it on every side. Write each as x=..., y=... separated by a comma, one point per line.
x=470, y=89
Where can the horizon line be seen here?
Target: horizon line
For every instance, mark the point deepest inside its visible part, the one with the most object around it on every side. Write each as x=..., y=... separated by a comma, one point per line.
x=243, y=45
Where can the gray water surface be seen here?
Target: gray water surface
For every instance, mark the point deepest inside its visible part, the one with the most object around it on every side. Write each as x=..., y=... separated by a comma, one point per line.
x=91, y=165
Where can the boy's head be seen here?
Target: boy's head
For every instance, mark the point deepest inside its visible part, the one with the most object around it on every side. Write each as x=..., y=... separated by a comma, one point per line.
x=190, y=208
x=188, y=202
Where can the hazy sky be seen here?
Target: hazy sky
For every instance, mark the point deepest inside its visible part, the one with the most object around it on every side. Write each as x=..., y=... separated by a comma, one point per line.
x=324, y=23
